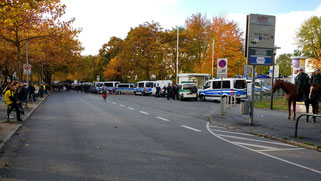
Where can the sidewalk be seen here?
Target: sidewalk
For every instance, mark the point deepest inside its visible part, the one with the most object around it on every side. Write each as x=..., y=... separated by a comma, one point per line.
x=7, y=129
x=272, y=124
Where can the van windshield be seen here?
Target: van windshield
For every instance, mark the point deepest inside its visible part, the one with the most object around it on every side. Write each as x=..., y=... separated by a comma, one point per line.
x=140, y=84
x=99, y=85
x=239, y=84
x=109, y=84
x=149, y=84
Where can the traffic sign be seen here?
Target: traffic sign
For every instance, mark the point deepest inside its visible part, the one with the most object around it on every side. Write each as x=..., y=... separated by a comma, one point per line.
x=98, y=78
x=247, y=69
x=222, y=67
x=260, y=35
x=27, y=69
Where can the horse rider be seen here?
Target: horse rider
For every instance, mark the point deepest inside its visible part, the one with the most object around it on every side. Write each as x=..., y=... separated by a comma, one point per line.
x=302, y=82
x=316, y=77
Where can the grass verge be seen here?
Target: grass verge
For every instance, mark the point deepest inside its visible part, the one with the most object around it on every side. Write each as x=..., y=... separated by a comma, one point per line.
x=278, y=104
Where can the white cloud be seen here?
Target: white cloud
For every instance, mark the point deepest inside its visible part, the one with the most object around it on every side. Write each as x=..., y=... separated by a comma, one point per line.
x=287, y=24
x=102, y=19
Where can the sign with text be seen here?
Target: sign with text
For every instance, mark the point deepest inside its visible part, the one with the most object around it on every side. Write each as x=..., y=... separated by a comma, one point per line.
x=260, y=35
x=247, y=69
x=222, y=67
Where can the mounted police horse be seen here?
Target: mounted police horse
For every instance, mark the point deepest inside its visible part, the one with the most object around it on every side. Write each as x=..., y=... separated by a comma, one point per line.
x=292, y=96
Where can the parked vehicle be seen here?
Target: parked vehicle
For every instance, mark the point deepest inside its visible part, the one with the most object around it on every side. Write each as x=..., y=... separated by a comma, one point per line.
x=231, y=86
x=258, y=84
x=99, y=87
x=125, y=88
x=144, y=88
x=111, y=86
x=161, y=84
x=187, y=90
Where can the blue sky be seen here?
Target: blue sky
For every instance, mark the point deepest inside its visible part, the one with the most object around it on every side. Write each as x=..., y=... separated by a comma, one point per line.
x=102, y=19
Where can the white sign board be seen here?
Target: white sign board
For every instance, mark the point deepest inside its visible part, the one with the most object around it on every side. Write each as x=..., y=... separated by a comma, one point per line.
x=276, y=71
x=27, y=69
x=222, y=67
x=247, y=69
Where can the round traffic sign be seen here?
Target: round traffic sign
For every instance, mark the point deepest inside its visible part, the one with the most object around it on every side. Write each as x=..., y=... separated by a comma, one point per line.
x=27, y=66
x=222, y=63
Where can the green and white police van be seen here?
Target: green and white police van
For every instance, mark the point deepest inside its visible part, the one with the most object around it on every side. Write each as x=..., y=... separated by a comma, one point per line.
x=187, y=90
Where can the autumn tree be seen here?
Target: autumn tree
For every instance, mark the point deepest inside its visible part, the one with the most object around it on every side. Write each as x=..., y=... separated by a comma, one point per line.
x=142, y=50
x=309, y=39
x=284, y=61
x=22, y=21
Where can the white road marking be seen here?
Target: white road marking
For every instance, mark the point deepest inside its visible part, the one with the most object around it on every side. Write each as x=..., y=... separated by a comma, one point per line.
x=130, y=108
x=217, y=127
x=260, y=152
x=253, y=145
x=114, y=102
x=121, y=105
x=244, y=134
x=249, y=139
x=164, y=119
x=143, y=112
x=193, y=129
x=283, y=149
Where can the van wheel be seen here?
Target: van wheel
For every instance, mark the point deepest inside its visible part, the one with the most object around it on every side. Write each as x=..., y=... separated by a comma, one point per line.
x=202, y=98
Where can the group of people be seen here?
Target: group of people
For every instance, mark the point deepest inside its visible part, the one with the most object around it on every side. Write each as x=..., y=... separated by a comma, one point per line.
x=171, y=92
x=303, y=82
x=16, y=93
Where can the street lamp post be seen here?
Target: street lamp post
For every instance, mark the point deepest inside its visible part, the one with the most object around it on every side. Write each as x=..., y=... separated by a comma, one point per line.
x=238, y=68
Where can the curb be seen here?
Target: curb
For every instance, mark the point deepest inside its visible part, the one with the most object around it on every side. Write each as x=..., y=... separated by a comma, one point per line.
x=291, y=142
x=8, y=137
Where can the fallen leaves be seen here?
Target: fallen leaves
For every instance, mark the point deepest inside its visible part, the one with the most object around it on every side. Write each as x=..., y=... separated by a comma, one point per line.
x=115, y=126
x=26, y=145
x=5, y=164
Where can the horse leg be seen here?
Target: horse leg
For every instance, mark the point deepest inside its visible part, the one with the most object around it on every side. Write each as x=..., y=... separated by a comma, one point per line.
x=307, y=105
x=294, y=108
x=289, y=108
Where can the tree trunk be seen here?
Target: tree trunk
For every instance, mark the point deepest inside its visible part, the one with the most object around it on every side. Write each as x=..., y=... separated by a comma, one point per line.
x=19, y=73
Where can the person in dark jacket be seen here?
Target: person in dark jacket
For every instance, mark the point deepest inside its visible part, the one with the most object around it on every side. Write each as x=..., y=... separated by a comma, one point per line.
x=174, y=91
x=302, y=82
x=169, y=91
x=21, y=96
x=316, y=77
x=31, y=89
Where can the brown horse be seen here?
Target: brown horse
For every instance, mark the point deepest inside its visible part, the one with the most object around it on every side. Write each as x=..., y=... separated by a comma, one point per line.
x=291, y=94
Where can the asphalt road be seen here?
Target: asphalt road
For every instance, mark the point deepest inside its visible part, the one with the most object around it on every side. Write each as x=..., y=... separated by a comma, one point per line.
x=76, y=136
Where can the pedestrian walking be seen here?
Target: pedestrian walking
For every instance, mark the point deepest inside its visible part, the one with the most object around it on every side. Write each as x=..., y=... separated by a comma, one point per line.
x=302, y=82
x=168, y=91
x=157, y=94
x=11, y=101
x=173, y=93
x=21, y=96
x=316, y=77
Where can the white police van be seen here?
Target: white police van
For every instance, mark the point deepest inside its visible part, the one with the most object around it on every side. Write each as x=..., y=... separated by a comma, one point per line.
x=144, y=88
x=161, y=84
x=98, y=87
x=231, y=86
x=111, y=86
x=125, y=88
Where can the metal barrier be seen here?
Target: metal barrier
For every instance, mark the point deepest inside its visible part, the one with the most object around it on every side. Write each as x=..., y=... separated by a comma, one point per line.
x=228, y=102
x=297, y=121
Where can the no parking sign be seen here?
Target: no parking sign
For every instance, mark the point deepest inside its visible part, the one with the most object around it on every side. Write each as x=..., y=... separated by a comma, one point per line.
x=222, y=67
x=27, y=69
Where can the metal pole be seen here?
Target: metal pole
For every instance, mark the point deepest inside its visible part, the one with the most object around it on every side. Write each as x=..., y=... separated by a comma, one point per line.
x=213, y=60
x=27, y=61
x=177, y=56
x=273, y=63
x=252, y=97
x=222, y=111
x=238, y=68
x=42, y=71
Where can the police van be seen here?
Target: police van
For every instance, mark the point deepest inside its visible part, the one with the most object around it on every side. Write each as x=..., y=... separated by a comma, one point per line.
x=98, y=87
x=111, y=86
x=144, y=88
x=161, y=84
x=231, y=86
x=125, y=88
